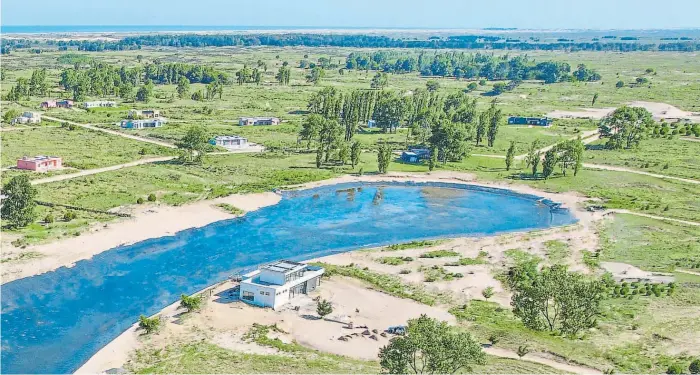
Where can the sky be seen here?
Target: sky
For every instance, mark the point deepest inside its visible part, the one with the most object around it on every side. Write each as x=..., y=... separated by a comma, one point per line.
x=464, y=14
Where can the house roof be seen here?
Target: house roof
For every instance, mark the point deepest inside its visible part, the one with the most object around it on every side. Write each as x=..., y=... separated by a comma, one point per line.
x=283, y=266
x=258, y=118
x=39, y=158
x=228, y=137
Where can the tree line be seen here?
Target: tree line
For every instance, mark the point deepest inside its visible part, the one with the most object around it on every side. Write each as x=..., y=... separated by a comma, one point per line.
x=469, y=66
x=359, y=41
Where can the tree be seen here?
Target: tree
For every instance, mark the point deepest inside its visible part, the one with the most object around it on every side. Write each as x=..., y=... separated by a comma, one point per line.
x=472, y=86
x=384, y=157
x=126, y=92
x=10, y=115
x=379, y=81
x=432, y=347
x=144, y=93
x=554, y=299
x=183, y=87
x=532, y=159
x=193, y=144
x=319, y=156
x=481, y=127
x=355, y=152
x=190, y=303
x=550, y=161
x=432, y=162
x=620, y=84
x=494, y=117
x=315, y=75
x=694, y=367
x=625, y=127
x=149, y=324
x=510, y=155
x=310, y=128
x=523, y=350
x=570, y=155
x=18, y=205
x=432, y=85
x=323, y=308
x=283, y=75
x=389, y=111
x=197, y=96
x=488, y=292
x=595, y=98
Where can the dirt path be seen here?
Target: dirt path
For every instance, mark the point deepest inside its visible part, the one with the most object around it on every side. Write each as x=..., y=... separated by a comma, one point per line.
x=622, y=211
x=586, y=137
x=689, y=272
x=88, y=172
x=628, y=170
x=113, y=132
x=504, y=353
x=690, y=139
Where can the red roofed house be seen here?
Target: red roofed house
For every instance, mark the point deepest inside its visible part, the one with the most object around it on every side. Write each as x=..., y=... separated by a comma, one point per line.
x=40, y=163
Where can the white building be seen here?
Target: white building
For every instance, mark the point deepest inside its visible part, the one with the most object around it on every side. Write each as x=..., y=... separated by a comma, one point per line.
x=231, y=142
x=276, y=284
x=141, y=124
x=99, y=103
x=144, y=113
x=243, y=121
x=28, y=118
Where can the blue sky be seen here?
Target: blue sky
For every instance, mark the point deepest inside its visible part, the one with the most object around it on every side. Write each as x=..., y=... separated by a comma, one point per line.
x=539, y=14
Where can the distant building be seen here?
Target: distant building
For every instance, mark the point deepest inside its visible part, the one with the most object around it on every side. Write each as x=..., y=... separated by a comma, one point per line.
x=243, y=121
x=371, y=124
x=145, y=113
x=230, y=142
x=276, y=284
x=57, y=104
x=537, y=121
x=28, y=118
x=100, y=104
x=40, y=163
x=141, y=124
x=415, y=155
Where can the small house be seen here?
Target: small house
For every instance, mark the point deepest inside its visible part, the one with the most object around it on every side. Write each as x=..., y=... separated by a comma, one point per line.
x=276, y=284
x=415, y=155
x=243, y=121
x=28, y=118
x=65, y=103
x=537, y=121
x=48, y=104
x=99, y=104
x=144, y=123
x=145, y=113
x=40, y=163
x=231, y=142
x=371, y=124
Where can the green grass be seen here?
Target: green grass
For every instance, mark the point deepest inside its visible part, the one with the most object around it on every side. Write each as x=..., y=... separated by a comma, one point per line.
x=394, y=261
x=233, y=210
x=439, y=254
x=412, y=245
x=650, y=244
x=557, y=251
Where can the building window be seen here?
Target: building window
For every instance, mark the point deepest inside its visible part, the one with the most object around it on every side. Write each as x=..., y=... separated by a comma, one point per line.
x=267, y=293
x=262, y=293
x=248, y=296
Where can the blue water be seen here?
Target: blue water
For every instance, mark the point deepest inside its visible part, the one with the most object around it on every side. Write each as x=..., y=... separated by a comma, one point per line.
x=52, y=29
x=54, y=322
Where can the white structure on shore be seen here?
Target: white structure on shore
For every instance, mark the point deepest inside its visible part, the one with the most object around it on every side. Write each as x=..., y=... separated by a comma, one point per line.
x=276, y=284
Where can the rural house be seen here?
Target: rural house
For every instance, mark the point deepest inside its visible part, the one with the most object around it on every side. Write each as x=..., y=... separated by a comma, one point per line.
x=141, y=124
x=242, y=121
x=40, y=163
x=145, y=113
x=57, y=104
x=99, y=104
x=230, y=142
x=415, y=155
x=28, y=118
x=276, y=284
x=537, y=121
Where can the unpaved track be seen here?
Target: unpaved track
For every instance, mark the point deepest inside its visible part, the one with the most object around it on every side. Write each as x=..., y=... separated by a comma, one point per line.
x=88, y=172
x=622, y=211
x=113, y=132
x=627, y=170
x=576, y=369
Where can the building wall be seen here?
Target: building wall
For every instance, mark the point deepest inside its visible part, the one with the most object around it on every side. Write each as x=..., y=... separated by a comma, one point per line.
x=263, y=296
x=272, y=277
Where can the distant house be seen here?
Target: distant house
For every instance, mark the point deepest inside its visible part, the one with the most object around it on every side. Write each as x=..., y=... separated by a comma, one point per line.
x=276, y=284
x=230, y=142
x=100, y=104
x=40, y=163
x=57, y=104
x=371, y=124
x=243, y=121
x=28, y=118
x=141, y=124
x=415, y=155
x=145, y=113
x=537, y=121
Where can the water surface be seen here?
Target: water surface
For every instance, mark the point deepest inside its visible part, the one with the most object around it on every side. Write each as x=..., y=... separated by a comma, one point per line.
x=54, y=322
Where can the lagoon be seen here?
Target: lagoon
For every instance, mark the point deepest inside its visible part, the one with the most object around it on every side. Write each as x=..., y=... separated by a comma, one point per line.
x=54, y=322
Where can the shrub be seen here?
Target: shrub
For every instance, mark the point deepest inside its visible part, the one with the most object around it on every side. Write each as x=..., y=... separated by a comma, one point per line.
x=494, y=338
x=488, y=292
x=190, y=303
x=151, y=197
x=48, y=219
x=139, y=200
x=675, y=369
x=439, y=254
x=694, y=367
x=70, y=215
x=404, y=272
x=324, y=308
x=149, y=324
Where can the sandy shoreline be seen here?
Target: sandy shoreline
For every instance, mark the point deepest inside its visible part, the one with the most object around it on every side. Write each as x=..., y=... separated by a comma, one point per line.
x=116, y=353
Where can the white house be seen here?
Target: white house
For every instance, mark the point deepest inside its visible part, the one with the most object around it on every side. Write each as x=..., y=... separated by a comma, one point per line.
x=231, y=142
x=28, y=118
x=276, y=284
x=243, y=121
x=144, y=113
x=141, y=124
x=99, y=103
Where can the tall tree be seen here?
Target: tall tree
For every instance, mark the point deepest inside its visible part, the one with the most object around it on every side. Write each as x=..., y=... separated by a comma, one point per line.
x=431, y=347
x=355, y=152
x=532, y=159
x=183, y=87
x=482, y=126
x=550, y=161
x=315, y=75
x=310, y=128
x=595, y=99
x=18, y=205
x=510, y=155
x=625, y=127
x=379, y=81
x=494, y=116
x=384, y=157
x=193, y=144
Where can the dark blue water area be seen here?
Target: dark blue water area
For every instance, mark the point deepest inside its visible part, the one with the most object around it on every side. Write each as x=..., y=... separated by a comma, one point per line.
x=54, y=322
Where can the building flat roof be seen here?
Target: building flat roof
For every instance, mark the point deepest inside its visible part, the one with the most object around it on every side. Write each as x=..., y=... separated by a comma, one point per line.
x=283, y=266
x=39, y=158
x=228, y=137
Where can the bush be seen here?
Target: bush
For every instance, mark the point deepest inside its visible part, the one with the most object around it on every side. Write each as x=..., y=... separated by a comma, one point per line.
x=151, y=197
x=694, y=367
x=190, y=303
x=488, y=292
x=139, y=200
x=70, y=215
x=149, y=324
x=49, y=219
x=675, y=369
x=324, y=308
